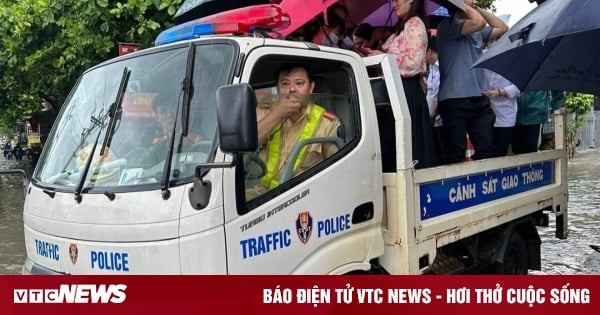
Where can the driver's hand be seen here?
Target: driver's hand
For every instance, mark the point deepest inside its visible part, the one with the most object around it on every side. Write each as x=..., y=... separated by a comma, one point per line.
x=289, y=105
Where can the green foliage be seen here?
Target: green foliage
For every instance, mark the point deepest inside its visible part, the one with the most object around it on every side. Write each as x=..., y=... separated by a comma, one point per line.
x=45, y=45
x=572, y=127
x=489, y=4
x=579, y=104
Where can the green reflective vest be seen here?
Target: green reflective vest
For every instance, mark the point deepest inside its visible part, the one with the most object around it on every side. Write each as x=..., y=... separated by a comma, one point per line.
x=270, y=179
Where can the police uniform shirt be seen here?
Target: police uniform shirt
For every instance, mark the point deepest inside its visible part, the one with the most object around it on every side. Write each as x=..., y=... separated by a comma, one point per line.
x=290, y=132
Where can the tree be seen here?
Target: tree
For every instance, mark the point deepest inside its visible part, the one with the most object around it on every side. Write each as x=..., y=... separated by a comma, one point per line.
x=488, y=4
x=578, y=104
x=45, y=45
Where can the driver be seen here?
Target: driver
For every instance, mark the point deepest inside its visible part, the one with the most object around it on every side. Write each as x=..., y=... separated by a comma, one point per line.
x=292, y=118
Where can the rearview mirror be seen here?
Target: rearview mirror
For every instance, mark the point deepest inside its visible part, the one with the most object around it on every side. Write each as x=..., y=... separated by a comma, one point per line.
x=236, y=118
x=238, y=133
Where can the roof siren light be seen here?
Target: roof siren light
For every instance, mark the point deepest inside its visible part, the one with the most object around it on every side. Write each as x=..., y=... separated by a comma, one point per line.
x=264, y=17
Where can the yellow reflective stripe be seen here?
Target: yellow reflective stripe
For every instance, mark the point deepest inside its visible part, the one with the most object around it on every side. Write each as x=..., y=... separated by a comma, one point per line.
x=272, y=157
x=308, y=131
x=274, y=146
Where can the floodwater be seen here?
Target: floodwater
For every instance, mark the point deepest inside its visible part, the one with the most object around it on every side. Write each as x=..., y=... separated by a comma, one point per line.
x=574, y=255
x=12, y=245
x=570, y=256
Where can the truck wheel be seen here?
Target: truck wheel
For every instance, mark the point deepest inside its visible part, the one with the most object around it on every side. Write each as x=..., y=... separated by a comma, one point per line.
x=516, y=259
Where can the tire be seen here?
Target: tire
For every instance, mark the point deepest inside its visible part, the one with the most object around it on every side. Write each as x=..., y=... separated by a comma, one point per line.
x=516, y=258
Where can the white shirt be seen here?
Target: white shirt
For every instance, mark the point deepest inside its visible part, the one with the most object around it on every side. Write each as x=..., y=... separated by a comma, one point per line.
x=505, y=107
x=433, y=88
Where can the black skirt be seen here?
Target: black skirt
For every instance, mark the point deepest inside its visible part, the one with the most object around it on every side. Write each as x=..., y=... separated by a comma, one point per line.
x=423, y=146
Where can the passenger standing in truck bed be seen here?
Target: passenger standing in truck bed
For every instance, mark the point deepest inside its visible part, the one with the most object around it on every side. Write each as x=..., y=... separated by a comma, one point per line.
x=533, y=109
x=433, y=88
x=462, y=105
x=409, y=44
x=503, y=100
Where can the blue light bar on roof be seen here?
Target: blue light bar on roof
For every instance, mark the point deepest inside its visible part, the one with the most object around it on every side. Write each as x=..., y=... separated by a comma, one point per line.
x=238, y=21
x=177, y=33
x=198, y=29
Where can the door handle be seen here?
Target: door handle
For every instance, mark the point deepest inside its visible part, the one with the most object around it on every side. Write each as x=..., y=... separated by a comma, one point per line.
x=363, y=212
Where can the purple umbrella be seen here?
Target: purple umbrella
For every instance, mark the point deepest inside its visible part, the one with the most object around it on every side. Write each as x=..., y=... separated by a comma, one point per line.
x=384, y=15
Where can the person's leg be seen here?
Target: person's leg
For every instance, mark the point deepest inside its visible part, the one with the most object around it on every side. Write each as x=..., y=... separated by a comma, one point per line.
x=439, y=147
x=536, y=138
x=517, y=143
x=502, y=138
x=454, y=130
x=481, y=129
x=526, y=138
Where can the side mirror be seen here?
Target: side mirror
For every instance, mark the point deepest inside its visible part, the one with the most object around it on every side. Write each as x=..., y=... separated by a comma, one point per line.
x=238, y=133
x=236, y=118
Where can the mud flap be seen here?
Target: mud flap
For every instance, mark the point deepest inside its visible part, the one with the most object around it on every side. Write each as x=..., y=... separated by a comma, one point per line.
x=562, y=231
x=534, y=250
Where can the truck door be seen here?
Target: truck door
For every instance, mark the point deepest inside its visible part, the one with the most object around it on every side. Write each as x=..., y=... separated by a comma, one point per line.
x=326, y=219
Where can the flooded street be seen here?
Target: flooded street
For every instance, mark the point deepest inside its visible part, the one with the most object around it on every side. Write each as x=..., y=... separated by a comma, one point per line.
x=570, y=256
x=574, y=255
x=12, y=247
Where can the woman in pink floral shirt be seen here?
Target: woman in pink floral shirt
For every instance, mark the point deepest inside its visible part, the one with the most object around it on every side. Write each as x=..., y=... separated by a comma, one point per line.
x=409, y=44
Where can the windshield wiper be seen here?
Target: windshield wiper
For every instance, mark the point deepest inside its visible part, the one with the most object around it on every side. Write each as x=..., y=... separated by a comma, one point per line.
x=166, y=175
x=85, y=170
x=112, y=113
x=186, y=88
x=115, y=110
x=187, y=91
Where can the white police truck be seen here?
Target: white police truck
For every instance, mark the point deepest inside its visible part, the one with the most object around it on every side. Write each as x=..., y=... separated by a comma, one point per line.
x=115, y=193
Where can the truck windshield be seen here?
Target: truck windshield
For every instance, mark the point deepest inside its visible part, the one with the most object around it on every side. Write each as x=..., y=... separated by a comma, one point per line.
x=147, y=121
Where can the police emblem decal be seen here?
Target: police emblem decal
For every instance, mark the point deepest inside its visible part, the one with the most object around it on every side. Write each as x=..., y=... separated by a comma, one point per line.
x=304, y=225
x=73, y=253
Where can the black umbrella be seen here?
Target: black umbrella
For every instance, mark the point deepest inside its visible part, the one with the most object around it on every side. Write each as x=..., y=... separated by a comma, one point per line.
x=555, y=47
x=195, y=9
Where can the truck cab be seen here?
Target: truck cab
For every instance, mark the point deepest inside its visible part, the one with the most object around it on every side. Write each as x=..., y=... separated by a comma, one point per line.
x=131, y=213
x=118, y=191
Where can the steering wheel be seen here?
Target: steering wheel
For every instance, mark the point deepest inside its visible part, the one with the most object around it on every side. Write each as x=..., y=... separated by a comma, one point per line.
x=288, y=171
x=250, y=160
